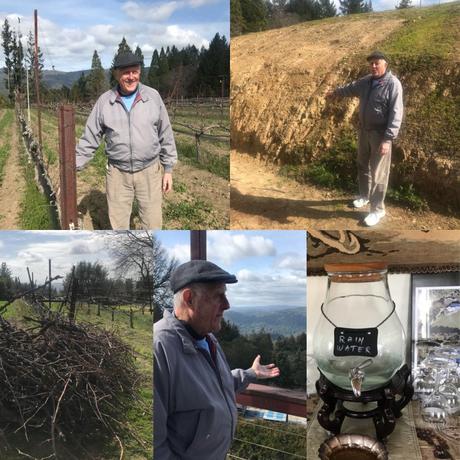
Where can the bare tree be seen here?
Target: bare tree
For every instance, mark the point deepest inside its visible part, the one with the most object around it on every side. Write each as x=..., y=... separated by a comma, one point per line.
x=141, y=255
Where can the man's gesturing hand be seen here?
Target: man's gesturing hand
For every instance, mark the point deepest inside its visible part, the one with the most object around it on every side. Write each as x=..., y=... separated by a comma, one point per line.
x=267, y=371
x=167, y=182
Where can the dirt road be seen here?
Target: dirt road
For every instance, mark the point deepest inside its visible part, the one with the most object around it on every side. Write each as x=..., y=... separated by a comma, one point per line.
x=261, y=198
x=12, y=186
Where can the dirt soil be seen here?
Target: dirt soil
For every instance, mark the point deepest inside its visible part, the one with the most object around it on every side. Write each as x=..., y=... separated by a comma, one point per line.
x=279, y=78
x=265, y=199
x=207, y=187
x=92, y=202
x=12, y=187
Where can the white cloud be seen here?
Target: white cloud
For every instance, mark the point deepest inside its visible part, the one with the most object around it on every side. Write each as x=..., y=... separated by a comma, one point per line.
x=247, y=275
x=229, y=247
x=156, y=13
x=71, y=47
x=268, y=290
x=183, y=37
x=198, y=3
x=291, y=261
x=181, y=252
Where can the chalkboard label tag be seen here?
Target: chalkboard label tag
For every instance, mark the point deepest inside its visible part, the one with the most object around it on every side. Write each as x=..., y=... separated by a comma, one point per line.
x=355, y=342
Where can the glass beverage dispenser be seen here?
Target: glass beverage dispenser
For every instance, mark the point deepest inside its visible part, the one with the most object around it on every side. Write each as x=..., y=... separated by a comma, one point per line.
x=359, y=347
x=359, y=342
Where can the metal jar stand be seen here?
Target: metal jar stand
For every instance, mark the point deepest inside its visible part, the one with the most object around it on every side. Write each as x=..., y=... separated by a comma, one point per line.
x=333, y=411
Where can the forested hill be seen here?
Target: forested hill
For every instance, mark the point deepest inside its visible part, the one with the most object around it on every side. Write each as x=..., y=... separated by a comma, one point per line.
x=276, y=321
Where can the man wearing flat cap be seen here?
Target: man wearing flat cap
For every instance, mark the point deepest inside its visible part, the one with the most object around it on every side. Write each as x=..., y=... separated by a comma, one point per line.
x=380, y=116
x=139, y=145
x=194, y=397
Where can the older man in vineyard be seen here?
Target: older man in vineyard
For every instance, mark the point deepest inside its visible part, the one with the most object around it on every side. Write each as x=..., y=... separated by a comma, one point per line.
x=194, y=398
x=139, y=145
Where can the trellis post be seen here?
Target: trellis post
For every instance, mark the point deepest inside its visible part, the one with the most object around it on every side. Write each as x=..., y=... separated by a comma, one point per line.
x=68, y=195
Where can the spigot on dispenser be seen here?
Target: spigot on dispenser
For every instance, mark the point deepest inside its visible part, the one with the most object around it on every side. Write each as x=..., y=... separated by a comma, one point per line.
x=357, y=376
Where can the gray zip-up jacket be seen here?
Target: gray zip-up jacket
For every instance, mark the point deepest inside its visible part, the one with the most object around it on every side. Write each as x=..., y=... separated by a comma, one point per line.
x=381, y=106
x=134, y=139
x=194, y=402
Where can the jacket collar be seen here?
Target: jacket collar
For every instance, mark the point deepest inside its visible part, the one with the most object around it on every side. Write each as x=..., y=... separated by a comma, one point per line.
x=188, y=343
x=142, y=94
x=384, y=78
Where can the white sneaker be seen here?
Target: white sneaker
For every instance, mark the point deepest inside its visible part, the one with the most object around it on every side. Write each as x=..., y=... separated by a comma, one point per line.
x=360, y=202
x=374, y=218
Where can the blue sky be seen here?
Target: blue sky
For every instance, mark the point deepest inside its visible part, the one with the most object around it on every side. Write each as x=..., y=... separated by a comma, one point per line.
x=22, y=249
x=270, y=265
x=70, y=30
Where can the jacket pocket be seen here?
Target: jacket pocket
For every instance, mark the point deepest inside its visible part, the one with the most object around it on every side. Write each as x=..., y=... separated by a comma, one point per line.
x=210, y=437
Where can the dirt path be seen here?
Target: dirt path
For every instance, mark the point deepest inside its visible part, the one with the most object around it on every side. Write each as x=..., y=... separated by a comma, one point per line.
x=261, y=198
x=12, y=187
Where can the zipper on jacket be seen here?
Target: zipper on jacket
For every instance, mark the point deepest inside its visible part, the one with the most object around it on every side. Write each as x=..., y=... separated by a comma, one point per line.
x=130, y=142
x=219, y=379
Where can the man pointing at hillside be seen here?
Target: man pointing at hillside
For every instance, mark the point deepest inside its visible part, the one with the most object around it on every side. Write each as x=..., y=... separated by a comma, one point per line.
x=139, y=145
x=194, y=396
x=380, y=115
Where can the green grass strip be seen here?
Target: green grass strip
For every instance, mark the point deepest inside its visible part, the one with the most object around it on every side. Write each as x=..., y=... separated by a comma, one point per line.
x=426, y=32
x=35, y=211
x=215, y=164
x=5, y=123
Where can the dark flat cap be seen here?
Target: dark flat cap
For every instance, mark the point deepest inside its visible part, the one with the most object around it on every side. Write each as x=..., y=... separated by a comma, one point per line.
x=376, y=55
x=199, y=271
x=126, y=59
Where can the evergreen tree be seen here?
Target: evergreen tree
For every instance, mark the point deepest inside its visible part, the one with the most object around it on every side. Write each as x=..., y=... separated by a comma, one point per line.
x=368, y=7
x=123, y=47
x=306, y=9
x=19, y=71
x=352, y=6
x=30, y=63
x=163, y=70
x=96, y=81
x=92, y=279
x=237, y=23
x=174, y=58
x=404, y=4
x=327, y=8
x=7, y=43
x=214, y=68
x=79, y=90
x=6, y=282
x=138, y=53
x=254, y=15
x=152, y=77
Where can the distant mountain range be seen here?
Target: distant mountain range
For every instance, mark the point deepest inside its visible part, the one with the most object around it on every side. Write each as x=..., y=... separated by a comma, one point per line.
x=275, y=320
x=55, y=78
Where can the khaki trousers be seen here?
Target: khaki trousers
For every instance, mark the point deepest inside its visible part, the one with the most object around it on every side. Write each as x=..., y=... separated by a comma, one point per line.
x=373, y=169
x=146, y=186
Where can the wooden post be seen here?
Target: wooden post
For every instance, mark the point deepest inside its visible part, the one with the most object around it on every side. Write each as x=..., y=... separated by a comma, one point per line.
x=37, y=83
x=73, y=297
x=131, y=318
x=113, y=314
x=49, y=286
x=98, y=309
x=68, y=198
x=198, y=244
